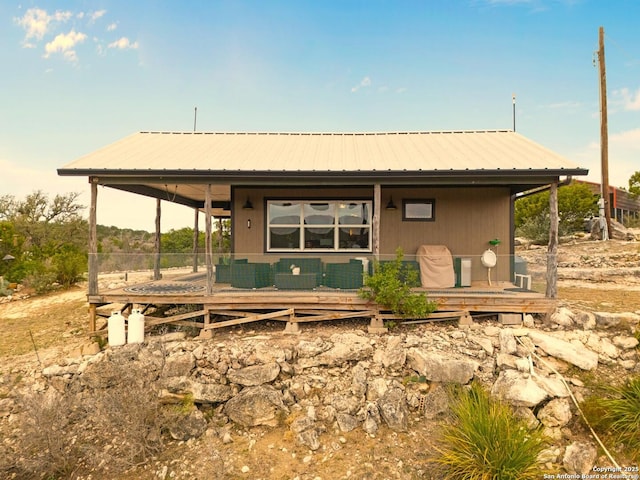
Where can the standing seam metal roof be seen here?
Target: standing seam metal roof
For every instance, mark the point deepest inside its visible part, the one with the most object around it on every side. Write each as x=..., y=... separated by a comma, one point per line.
x=150, y=152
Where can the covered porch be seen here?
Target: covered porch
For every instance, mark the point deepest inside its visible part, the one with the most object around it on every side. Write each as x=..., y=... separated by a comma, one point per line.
x=182, y=297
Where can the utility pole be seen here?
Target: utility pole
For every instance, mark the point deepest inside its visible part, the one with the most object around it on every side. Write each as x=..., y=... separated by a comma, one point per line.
x=604, y=136
x=513, y=99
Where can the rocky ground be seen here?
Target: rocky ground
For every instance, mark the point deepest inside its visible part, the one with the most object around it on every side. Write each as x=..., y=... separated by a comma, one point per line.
x=341, y=403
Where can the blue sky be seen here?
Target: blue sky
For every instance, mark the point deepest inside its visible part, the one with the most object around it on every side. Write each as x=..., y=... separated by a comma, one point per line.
x=78, y=75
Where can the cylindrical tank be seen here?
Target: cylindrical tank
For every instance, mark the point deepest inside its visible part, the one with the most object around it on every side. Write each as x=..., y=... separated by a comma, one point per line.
x=115, y=328
x=135, y=332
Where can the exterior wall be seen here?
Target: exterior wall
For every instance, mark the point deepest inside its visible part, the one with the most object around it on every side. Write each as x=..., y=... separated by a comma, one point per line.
x=465, y=220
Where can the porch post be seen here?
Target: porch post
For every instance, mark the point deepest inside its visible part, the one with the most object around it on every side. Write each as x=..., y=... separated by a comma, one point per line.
x=207, y=240
x=93, y=239
x=552, y=252
x=196, y=233
x=377, y=199
x=156, y=262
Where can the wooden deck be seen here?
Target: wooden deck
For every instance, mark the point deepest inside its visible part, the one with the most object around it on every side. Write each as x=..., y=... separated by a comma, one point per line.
x=227, y=306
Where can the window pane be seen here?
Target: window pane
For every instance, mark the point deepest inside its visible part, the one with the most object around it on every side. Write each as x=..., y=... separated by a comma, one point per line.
x=353, y=213
x=354, y=237
x=284, y=237
x=422, y=210
x=284, y=213
x=319, y=237
x=319, y=214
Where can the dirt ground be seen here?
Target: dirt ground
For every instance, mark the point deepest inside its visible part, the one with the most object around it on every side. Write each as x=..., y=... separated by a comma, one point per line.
x=42, y=330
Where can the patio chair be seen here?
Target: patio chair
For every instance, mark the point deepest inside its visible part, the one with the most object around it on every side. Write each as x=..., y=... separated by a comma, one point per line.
x=251, y=275
x=223, y=270
x=344, y=275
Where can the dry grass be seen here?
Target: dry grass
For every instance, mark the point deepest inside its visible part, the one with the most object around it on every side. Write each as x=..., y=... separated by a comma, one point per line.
x=597, y=299
x=47, y=321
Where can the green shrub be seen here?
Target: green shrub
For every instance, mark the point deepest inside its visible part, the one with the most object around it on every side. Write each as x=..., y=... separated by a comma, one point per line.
x=486, y=441
x=390, y=286
x=69, y=267
x=617, y=413
x=41, y=277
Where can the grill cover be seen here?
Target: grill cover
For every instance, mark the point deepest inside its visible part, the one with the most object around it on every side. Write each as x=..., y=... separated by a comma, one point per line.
x=436, y=266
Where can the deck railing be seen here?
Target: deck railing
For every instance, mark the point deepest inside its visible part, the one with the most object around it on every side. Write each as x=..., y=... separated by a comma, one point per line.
x=300, y=272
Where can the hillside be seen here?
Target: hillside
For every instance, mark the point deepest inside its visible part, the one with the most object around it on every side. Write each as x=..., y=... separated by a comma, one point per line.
x=45, y=337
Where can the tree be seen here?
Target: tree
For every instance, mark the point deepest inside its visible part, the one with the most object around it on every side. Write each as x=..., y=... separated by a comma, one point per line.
x=634, y=184
x=575, y=203
x=48, y=238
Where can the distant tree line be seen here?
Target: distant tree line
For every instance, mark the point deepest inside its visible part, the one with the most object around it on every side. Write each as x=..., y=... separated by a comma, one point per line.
x=576, y=203
x=44, y=243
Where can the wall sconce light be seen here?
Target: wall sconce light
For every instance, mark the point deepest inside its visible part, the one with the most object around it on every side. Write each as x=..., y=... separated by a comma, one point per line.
x=391, y=205
x=247, y=205
x=249, y=223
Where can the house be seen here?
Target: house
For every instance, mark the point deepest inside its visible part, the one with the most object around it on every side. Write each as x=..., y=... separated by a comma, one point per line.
x=625, y=206
x=332, y=197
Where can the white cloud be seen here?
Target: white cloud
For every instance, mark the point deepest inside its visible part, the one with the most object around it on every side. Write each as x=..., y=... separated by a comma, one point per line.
x=123, y=43
x=624, y=148
x=365, y=82
x=65, y=45
x=36, y=23
x=112, y=26
x=97, y=14
x=629, y=100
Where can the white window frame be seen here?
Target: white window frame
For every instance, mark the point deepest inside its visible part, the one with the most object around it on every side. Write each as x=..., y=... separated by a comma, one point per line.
x=335, y=225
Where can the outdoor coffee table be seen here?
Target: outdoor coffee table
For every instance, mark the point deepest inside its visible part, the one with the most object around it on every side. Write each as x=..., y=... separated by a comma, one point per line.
x=289, y=281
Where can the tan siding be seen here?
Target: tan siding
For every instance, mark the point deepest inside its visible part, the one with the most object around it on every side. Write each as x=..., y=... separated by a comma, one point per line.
x=465, y=220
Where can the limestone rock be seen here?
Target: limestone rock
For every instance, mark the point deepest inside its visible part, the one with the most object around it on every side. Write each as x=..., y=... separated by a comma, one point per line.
x=393, y=409
x=625, y=342
x=261, y=405
x=518, y=389
x=508, y=342
x=608, y=320
x=346, y=347
x=556, y=413
x=179, y=365
x=188, y=426
x=435, y=403
x=209, y=392
x=579, y=458
x=485, y=343
x=580, y=357
x=346, y=422
x=437, y=367
x=586, y=320
x=563, y=317
x=254, y=375
x=394, y=356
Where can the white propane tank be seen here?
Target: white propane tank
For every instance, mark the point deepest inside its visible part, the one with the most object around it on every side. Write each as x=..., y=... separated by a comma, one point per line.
x=135, y=332
x=115, y=327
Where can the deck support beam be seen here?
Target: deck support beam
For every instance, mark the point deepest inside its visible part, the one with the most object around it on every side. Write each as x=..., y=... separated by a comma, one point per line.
x=156, y=262
x=93, y=241
x=208, y=245
x=196, y=234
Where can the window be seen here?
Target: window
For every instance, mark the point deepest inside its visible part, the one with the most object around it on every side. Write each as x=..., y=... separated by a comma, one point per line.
x=318, y=225
x=419, y=210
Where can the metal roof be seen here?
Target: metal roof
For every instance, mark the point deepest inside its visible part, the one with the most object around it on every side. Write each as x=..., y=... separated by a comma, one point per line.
x=405, y=154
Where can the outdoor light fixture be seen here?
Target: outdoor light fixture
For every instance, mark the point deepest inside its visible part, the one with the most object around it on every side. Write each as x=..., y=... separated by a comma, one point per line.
x=391, y=205
x=249, y=223
x=247, y=205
